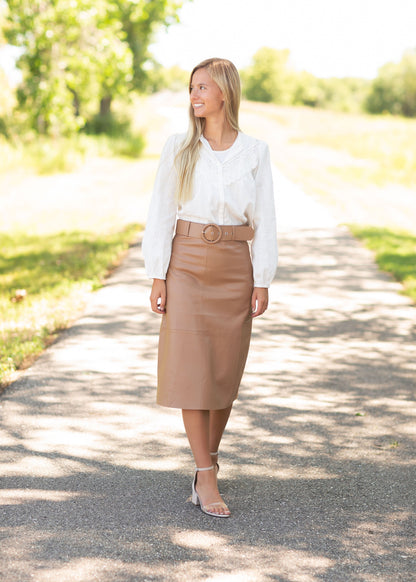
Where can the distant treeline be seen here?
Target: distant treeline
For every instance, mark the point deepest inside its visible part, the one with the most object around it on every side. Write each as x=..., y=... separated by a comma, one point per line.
x=271, y=79
x=78, y=58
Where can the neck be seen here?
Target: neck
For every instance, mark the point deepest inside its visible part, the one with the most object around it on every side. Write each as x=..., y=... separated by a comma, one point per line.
x=219, y=133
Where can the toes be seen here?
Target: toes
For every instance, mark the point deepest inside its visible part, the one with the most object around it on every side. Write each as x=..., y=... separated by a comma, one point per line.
x=218, y=509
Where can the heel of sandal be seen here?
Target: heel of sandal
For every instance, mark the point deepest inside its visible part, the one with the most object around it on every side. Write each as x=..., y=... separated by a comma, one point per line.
x=194, y=496
x=205, y=508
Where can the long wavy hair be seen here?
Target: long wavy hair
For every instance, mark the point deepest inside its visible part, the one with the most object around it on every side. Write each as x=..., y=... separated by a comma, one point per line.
x=226, y=76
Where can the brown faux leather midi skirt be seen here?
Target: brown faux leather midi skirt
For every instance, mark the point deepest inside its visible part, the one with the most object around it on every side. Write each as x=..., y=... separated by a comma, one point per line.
x=205, y=333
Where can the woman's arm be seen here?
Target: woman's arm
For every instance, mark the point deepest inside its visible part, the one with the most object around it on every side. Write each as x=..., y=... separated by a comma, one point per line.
x=264, y=245
x=160, y=225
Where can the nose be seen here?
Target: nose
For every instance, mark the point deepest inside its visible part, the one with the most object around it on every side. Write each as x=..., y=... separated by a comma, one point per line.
x=194, y=93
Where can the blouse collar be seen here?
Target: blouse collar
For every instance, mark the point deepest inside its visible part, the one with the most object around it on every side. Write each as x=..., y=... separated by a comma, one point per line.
x=231, y=151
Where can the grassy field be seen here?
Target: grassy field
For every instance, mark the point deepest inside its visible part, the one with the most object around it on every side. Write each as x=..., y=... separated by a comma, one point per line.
x=387, y=145
x=395, y=253
x=44, y=281
x=46, y=156
x=378, y=149
x=43, y=155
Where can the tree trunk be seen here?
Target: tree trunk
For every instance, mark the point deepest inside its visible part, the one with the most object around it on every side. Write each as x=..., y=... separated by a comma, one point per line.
x=76, y=103
x=105, y=105
x=41, y=124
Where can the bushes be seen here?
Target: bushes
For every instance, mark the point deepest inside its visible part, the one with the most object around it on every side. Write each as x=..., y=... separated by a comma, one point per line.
x=122, y=140
x=394, y=89
x=111, y=136
x=270, y=78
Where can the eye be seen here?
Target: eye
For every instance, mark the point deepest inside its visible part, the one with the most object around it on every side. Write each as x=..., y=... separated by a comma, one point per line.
x=202, y=87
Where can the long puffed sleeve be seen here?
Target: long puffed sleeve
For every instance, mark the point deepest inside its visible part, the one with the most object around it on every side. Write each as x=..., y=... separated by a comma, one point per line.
x=160, y=225
x=264, y=246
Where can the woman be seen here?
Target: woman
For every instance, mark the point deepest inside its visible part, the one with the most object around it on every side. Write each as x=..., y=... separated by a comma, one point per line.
x=215, y=185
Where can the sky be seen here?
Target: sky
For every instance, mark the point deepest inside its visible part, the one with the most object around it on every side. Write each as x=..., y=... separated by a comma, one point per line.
x=325, y=37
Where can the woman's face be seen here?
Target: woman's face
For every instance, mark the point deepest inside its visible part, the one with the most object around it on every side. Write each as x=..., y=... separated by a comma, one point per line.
x=206, y=97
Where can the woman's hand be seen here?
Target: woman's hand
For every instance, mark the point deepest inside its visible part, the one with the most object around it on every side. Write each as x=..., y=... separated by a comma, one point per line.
x=158, y=296
x=259, y=301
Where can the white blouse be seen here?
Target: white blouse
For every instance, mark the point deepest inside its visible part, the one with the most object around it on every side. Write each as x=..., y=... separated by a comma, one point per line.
x=237, y=189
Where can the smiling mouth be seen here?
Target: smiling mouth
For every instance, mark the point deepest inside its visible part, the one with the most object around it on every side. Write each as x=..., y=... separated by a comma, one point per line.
x=196, y=105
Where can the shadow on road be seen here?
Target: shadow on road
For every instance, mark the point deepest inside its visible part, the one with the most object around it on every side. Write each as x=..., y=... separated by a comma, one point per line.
x=317, y=464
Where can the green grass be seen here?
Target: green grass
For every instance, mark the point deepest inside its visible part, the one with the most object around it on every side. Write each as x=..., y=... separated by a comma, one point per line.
x=395, y=253
x=56, y=271
x=48, y=156
x=383, y=145
x=387, y=144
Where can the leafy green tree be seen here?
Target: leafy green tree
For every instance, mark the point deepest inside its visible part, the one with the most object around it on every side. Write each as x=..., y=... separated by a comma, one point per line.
x=342, y=94
x=137, y=21
x=308, y=90
x=172, y=78
x=269, y=78
x=6, y=103
x=394, y=89
x=78, y=55
x=3, y=10
x=140, y=19
x=69, y=45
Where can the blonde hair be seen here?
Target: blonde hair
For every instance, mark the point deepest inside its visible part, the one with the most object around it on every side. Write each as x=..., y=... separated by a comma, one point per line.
x=225, y=75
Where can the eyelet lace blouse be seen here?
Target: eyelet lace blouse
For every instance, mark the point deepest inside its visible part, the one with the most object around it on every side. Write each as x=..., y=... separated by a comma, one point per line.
x=232, y=191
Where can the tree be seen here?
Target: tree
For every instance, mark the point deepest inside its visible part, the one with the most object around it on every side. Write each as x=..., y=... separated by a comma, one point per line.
x=6, y=93
x=308, y=90
x=78, y=55
x=68, y=46
x=269, y=78
x=394, y=89
x=3, y=9
x=140, y=19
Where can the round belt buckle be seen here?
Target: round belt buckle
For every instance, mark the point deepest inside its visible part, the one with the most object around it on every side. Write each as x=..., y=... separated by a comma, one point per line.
x=211, y=233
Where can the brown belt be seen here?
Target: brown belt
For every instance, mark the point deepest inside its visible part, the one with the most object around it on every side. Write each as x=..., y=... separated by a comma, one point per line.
x=213, y=233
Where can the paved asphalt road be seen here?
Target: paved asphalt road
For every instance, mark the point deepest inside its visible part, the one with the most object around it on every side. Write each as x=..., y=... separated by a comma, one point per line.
x=317, y=465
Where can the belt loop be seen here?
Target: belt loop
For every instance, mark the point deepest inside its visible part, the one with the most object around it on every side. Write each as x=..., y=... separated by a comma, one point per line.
x=232, y=233
x=188, y=228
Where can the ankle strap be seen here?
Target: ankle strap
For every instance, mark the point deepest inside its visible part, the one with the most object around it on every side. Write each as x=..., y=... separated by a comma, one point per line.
x=204, y=468
x=212, y=454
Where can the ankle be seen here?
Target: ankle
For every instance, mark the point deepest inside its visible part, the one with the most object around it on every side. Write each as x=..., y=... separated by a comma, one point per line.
x=207, y=478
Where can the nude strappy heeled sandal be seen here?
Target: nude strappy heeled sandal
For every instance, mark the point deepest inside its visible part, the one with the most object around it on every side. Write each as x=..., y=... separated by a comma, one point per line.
x=196, y=500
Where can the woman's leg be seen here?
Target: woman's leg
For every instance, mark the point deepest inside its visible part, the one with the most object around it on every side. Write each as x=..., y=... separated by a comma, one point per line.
x=197, y=430
x=217, y=422
x=197, y=426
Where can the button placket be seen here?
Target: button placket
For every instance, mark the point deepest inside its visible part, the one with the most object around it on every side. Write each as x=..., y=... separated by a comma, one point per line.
x=221, y=209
